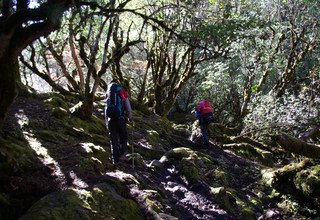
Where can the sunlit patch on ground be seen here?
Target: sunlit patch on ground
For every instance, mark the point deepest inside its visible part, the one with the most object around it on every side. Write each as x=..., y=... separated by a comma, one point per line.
x=44, y=157
x=125, y=177
x=77, y=181
x=90, y=147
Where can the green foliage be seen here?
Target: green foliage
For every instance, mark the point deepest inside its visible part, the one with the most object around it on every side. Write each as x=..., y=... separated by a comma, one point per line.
x=221, y=86
x=293, y=114
x=242, y=37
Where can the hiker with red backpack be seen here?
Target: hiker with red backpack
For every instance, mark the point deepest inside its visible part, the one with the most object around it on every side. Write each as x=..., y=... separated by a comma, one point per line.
x=205, y=116
x=116, y=103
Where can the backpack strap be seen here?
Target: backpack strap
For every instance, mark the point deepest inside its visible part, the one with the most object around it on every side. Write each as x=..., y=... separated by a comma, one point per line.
x=113, y=95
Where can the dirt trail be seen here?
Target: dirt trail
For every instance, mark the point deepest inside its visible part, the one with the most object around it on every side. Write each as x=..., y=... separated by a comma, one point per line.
x=179, y=199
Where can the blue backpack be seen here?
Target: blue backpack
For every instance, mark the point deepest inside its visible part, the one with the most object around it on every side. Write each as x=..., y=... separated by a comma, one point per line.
x=114, y=107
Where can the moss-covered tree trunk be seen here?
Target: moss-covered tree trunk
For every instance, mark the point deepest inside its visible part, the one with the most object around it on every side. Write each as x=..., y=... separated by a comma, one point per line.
x=247, y=94
x=297, y=146
x=9, y=69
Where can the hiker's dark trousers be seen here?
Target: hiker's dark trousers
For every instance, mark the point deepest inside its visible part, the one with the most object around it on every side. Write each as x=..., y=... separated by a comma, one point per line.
x=205, y=132
x=118, y=137
x=204, y=123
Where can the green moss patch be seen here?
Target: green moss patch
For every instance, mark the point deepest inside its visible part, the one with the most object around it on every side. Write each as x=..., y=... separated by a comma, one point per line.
x=217, y=178
x=93, y=125
x=101, y=202
x=59, y=113
x=56, y=101
x=308, y=181
x=50, y=136
x=15, y=154
x=191, y=164
x=224, y=198
x=282, y=179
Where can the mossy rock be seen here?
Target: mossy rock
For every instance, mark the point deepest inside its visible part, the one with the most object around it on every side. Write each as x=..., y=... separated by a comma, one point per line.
x=87, y=167
x=282, y=179
x=225, y=199
x=182, y=130
x=153, y=200
x=217, y=178
x=36, y=124
x=118, y=185
x=153, y=136
x=248, y=214
x=56, y=101
x=249, y=205
x=138, y=160
x=15, y=154
x=93, y=150
x=155, y=141
x=189, y=169
x=59, y=113
x=88, y=159
x=101, y=202
x=125, y=178
x=93, y=125
x=220, y=129
x=190, y=163
x=79, y=133
x=176, y=154
x=140, y=124
x=308, y=181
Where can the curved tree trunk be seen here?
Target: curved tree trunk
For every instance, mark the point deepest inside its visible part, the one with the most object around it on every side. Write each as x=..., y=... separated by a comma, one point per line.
x=297, y=146
x=19, y=26
x=9, y=69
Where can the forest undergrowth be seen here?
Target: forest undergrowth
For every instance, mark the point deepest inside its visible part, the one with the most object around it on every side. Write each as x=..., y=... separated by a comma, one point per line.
x=55, y=165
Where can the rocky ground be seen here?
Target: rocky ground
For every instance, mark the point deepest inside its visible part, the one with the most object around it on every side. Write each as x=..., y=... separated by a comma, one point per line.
x=51, y=155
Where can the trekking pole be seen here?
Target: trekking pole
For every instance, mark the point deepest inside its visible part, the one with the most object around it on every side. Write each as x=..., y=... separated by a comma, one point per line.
x=132, y=145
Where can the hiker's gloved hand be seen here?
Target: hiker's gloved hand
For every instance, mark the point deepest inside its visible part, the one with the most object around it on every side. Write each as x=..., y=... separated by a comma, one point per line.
x=130, y=117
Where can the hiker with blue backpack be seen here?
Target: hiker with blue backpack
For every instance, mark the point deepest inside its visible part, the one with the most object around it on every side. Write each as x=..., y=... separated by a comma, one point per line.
x=116, y=104
x=205, y=116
